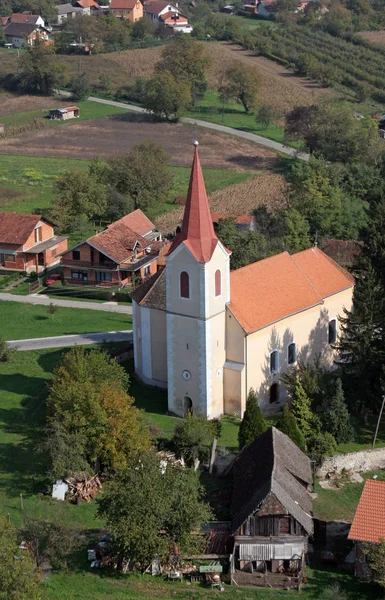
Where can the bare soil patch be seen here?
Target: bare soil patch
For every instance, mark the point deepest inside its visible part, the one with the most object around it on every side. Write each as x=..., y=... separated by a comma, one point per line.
x=375, y=37
x=12, y=104
x=241, y=198
x=7, y=195
x=118, y=134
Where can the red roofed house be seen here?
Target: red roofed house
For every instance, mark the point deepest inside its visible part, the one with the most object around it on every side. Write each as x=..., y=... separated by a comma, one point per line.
x=28, y=243
x=167, y=13
x=209, y=335
x=127, y=9
x=127, y=247
x=89, y=7
x=368, y=523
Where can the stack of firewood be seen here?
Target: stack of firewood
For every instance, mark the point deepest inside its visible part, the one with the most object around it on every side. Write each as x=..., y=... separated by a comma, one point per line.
x=81, y=487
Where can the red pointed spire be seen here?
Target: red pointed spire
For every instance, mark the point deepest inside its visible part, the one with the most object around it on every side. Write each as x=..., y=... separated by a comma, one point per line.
x=197, y=229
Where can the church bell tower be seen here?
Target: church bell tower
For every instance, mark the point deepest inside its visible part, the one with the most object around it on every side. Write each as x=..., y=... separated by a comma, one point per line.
x=198, y=289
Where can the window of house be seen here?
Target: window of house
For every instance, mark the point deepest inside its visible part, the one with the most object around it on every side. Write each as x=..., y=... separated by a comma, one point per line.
x=291, y=353
x=75, y=254
x=273, y=393
x=103, y=276
x=332, y=335
x=10, y=258
x=82, y=275
x=38, y=234
x=218, y=282
x=274, y=361
x=184, y=285
x=146, y=271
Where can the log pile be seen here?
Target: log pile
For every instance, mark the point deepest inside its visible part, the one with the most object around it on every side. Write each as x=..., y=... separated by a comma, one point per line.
x=83, y=487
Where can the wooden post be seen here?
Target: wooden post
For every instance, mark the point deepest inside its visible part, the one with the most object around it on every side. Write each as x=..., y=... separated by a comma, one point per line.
x=378, y=422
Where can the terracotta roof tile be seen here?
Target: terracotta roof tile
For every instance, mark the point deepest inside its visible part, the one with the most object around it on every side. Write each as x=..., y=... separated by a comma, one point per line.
x=137, y=221
x=88, y=3
x=274, y=288
x=117, y=242
x=123, y=4
x=155, y=7
x=15, y=228
x=369, y=521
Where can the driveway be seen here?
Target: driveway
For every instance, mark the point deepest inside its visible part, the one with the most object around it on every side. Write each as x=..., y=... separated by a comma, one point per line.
x=46, y=300
x=64, y=341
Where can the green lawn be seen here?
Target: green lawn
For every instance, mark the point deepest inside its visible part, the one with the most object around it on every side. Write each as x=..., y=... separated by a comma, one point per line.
x=210, y=109
x=364, y=435
x=87, y=585
x=252, y=22
x=340, y=504
x=19, y=321
x=26, y=185
x=88, y=110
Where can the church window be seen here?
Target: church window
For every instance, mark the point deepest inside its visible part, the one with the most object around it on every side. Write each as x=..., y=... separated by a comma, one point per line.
x=273, y=393
x=291, y=354
x=274, y=361
x=184, y=285
x=218, y=282
x=332, y=334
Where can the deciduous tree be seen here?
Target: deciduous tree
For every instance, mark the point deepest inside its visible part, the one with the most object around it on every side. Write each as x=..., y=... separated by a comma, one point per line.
x=241, y=84
x=165, y=96
x=376, y=556
x=253, y=422
x=40, y=73
x=193, y=438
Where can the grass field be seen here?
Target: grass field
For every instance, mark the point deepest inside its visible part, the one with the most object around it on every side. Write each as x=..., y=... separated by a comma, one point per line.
x=85, y=585
x=252, y=23
x=20, y=321
x=26, y=185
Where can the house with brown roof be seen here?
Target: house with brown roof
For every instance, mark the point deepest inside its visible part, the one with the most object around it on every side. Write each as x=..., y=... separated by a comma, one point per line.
x=22, y=34
x=368, y=523
x=208, y=335
x=271, y=512
x=127, y=9
x=126, y=251
x=89, y=7
x=28, y=243
x=167, y=13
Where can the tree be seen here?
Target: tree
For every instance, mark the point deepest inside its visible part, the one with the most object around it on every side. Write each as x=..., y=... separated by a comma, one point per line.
x=166, y=97
x=187, y=61
x=337, y=420
x=150, y=508
x=79, y=194
x=266, y=115
x=6, y=352
x=241, y=84
x=376, y=557
x=320, y=444
x=88, y=403
x=143, y=28
x=44, y=8
x=80, y=87
x=301, y=410
x=52, y=309
x=18, y=578
x=40, y=73
x=288, y=425
x=253, y=422
x=245, y=247
x=49, y=541
x=143, y=174
x=193, y=439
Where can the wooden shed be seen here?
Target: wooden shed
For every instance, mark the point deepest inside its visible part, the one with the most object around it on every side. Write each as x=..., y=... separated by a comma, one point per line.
x=62, y=114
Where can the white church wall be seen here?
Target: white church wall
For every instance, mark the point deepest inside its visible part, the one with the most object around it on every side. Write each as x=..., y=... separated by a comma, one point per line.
x=159, y=346
x=146, y=343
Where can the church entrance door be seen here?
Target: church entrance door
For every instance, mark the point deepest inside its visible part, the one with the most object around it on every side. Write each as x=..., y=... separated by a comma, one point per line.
x=188, y=406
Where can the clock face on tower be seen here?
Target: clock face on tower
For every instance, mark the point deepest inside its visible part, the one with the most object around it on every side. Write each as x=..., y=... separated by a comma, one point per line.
x=186, y=375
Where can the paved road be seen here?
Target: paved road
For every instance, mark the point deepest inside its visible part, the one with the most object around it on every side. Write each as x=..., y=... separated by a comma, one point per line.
x=220, y=128
x=63, y=341
x=46, y=300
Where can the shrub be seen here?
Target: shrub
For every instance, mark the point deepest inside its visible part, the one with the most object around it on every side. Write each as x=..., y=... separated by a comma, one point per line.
x=6, y=352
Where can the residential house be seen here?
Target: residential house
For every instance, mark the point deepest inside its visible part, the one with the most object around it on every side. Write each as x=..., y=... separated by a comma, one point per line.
x=27, y=17
x=243, y=222
x=63, y=114
x=127, y=9
x=28, y=243
x=167, y=13
x=368, y=523
x=89, y=7
x=22, y=34
x=126, y=250
x=67, y=11
x=224, y=331
x=271, y=512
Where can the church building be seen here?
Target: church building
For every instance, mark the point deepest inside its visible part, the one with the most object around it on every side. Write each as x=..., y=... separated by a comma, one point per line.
x=209, y=334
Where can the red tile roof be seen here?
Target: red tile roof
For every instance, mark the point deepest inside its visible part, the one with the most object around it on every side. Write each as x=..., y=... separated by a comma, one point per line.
x=156, y=7
x=123, y=4
x=174, y=16
x=239, y=219
x=137, y=221
x=88, y=3
x=284, y=285
x=197, y=232
x=369, y=521
x=24, y=18
x=15, y=228
x=117, y=242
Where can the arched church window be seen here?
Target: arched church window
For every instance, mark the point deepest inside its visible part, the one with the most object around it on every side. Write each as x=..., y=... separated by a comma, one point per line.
x=274, y=361
x=218, y=282
x=184, y=285
x=273, y=393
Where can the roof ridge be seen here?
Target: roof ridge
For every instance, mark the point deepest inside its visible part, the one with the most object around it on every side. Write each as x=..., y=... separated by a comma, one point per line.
x=306, y=277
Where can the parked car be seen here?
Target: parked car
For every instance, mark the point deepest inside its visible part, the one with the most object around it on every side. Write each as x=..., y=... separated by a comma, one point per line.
x=53, y=278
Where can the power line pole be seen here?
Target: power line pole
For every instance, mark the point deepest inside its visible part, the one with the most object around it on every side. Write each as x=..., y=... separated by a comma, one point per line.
x=378, y=422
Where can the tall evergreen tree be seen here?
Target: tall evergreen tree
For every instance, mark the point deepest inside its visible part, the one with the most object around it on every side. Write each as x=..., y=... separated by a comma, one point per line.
x=338, y=421
x=288, y=425
x=253, y=422
x=301, y=410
